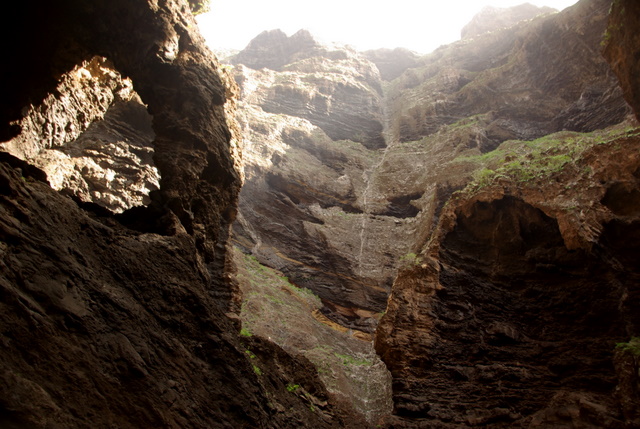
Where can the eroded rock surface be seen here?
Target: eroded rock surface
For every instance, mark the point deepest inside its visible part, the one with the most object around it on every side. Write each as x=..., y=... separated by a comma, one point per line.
x=125, y=321
x=533, y=79
x=513, y=311
x=93, y=138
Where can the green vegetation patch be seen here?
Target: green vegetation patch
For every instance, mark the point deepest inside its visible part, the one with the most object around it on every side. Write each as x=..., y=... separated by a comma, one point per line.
x=271, y=297
x=269, y=283
x=292, y=387
x=409, y=259
x=524, y=161
x=285, y=314
x=632, y=346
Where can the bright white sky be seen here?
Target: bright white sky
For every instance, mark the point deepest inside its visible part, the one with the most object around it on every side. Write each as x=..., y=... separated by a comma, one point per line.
x=421, y=26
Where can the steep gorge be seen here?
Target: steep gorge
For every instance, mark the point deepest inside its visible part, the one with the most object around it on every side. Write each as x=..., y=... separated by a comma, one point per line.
x=127, y=320
x=497, y=282
x=473, y=213
x=337, y=213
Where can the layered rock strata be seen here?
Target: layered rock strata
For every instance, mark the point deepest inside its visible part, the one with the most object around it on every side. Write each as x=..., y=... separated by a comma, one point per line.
x=339, y=216
x=311, y=123
x=122, y=320
x=535, y=78
x=334, y=88
x=511, y=313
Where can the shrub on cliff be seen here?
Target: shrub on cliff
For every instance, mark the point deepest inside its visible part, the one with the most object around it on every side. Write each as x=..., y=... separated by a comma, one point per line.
x=199, y=6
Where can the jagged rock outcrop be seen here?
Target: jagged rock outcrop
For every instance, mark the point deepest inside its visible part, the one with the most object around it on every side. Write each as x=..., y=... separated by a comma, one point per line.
x=93, y=138
x=274, y=49
x=339, y=218
x=500, y=74
x=123, y=320
x=333, y=87
x=495, y=18
x=621, y=49
x=511, y=313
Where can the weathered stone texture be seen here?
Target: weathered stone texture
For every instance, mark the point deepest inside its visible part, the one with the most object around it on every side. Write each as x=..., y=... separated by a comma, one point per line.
x=124, y=321
x=534, y=78
x=622, y=42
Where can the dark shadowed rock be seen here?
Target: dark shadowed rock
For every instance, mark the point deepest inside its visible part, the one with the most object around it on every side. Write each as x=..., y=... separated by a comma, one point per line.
x=621, y=49
x=124, y=321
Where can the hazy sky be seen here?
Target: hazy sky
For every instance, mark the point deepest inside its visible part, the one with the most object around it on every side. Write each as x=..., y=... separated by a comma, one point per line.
x=421, y=26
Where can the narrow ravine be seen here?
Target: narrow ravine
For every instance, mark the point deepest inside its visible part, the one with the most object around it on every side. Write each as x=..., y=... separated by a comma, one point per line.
x=368, y=176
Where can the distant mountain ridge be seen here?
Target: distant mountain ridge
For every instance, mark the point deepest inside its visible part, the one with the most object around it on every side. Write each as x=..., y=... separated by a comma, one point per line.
x=492, y=18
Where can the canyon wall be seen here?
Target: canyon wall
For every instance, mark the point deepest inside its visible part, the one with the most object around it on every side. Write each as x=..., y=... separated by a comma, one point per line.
x=621, y=49
x=511, y=314
x=500, y=197
x=473, y=211
x=125, y=320
x=337, y=209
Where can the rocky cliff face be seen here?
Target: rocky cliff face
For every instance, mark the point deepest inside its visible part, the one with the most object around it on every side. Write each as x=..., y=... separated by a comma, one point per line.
x=335, y=89
x=502, y=73
x=511, y=295
x=621, y=49
x=123, y=320
x=525, y=287
x=511, y=313
x=485, y=196
x=311, y=126
x=339, y=214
